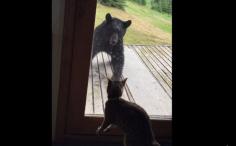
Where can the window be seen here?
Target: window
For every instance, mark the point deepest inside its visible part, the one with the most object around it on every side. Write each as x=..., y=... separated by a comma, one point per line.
x=72, y=121
x=147, y=59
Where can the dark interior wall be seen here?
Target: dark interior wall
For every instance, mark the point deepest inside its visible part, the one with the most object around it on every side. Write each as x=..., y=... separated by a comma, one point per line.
x=57, y=29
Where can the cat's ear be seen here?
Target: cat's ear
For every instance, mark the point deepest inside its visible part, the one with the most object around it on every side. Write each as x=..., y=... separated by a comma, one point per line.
x=124, y=81
x=108, y=17
x=109, y=80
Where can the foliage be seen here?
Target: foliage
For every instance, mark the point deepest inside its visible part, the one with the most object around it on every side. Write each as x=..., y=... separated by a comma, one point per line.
x=162, y=6
x=113, y=3
x=141, y=2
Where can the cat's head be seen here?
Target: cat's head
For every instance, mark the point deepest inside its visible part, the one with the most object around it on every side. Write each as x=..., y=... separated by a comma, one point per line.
x=115, y=88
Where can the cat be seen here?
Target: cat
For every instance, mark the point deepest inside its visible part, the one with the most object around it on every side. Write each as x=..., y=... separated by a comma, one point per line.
x=130, y=117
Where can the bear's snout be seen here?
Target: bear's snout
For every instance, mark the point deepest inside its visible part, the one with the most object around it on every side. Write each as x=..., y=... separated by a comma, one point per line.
x=114, y=39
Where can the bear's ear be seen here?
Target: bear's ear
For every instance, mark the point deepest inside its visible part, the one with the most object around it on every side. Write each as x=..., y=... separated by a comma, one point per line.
x=108, y=17
x=127, y=23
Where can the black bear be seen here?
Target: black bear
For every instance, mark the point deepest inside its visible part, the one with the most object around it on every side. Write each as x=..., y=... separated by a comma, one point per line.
x=108, y=37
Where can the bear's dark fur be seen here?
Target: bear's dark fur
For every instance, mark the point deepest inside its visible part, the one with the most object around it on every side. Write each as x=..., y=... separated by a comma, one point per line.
x=108, y=37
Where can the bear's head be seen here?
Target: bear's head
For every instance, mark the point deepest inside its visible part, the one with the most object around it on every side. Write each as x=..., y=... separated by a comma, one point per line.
x=116, y=29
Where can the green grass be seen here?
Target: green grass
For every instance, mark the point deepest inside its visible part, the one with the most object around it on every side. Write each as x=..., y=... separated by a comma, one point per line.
x=138, y=37
x=162, y=21
x=148, y=26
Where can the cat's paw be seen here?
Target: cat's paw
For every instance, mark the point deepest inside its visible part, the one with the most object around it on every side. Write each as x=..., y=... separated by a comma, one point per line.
x=98, y=131
x=155, y=143
x=106, y=130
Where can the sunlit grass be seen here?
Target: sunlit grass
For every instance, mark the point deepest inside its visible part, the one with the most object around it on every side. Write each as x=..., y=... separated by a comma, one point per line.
x=148, y=26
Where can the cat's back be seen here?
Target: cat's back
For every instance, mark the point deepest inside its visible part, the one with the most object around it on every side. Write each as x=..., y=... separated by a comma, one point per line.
x=135, y=122
x=129, y=108
x=132, y=109
x=129, y=116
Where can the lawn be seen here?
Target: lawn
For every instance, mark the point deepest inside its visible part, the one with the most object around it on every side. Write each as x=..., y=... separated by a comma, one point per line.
x=148, y=26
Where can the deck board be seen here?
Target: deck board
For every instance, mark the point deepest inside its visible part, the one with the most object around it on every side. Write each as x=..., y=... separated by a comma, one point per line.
x=167, y=70
x=152, y=97
x=158, y=57
x=166, y=50
x=158, y=77
x=102, y=78
x=158, y=67
x=149, y=84
x=161, y=49
x=98, y=105
x=160, y=53
x=89, y=107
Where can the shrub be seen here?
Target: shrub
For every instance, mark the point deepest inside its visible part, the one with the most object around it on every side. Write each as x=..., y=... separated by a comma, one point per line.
x=141, y=2
x=162, y=5
x=113, y=3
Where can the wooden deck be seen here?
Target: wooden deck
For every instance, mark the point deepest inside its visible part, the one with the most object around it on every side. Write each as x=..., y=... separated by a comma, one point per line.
x=149, y=84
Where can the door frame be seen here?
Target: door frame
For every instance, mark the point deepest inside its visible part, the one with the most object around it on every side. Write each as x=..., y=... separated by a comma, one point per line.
x=71, y=125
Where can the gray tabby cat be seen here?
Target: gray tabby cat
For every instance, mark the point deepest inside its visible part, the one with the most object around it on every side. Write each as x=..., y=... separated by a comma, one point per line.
x=108, y=37
x=130, y=117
